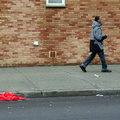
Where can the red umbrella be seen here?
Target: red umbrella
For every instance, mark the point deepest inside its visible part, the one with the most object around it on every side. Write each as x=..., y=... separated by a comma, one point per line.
x=10, y=97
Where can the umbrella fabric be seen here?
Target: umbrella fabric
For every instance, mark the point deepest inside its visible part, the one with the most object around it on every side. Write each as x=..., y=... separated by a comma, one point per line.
x=10, y=97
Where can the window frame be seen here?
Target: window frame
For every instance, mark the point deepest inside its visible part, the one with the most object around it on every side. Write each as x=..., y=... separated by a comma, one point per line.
x=55, y=4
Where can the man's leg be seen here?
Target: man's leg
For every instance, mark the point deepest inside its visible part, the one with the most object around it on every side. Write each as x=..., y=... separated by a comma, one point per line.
x=103, y=60
x=87, y=61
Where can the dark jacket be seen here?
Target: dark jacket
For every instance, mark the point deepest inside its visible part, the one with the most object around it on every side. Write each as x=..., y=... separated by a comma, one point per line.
x=96, y=38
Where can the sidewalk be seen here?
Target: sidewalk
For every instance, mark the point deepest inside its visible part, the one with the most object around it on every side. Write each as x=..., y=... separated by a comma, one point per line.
x=52, y=81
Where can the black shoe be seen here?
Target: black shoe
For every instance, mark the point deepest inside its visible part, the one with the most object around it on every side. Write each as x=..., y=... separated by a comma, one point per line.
x=83, y=68
x=106, y=70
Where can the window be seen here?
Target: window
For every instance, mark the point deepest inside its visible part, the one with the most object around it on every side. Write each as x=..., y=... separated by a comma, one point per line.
x=55, y=3
x=52, y=54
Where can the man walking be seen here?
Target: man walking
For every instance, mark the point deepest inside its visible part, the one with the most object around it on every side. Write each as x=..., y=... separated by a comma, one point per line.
x=96, y=46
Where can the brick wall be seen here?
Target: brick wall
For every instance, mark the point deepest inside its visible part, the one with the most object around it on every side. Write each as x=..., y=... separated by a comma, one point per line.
x=64, y=30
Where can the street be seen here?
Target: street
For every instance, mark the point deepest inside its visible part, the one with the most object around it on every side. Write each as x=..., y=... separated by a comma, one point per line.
x=62, y=108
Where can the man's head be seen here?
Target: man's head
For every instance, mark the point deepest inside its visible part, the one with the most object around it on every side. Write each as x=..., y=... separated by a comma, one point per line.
x=97, y=19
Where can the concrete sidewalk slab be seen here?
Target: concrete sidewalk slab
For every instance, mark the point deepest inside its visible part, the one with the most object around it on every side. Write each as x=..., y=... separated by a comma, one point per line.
x=51, y=81
x=12, y=80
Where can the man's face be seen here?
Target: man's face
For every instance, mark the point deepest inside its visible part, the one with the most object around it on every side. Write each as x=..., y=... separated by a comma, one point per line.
x=99, y=21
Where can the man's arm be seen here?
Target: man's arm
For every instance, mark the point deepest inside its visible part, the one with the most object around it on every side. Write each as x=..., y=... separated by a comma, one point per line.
x=98, y=35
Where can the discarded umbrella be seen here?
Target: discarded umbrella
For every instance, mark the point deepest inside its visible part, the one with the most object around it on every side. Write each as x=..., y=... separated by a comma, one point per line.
x=10, y=97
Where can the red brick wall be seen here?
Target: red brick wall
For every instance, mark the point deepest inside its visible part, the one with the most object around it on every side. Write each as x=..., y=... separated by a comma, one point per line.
x=64, y=30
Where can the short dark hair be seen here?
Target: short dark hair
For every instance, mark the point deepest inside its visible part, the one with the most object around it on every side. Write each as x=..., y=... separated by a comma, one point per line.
x=97, y=18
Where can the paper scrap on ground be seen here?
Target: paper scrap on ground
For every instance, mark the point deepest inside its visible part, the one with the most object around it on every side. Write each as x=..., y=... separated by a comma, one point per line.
x=99, y=95
x=96, y=75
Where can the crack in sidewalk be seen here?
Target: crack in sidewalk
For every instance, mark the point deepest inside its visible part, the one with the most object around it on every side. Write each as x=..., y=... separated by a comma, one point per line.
x=76, y=76
x=36, y=88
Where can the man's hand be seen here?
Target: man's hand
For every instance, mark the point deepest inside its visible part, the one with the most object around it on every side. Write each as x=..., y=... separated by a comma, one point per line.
x=104, y=37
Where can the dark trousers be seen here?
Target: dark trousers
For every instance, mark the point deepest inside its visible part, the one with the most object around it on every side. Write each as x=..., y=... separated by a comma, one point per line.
x=92, y=56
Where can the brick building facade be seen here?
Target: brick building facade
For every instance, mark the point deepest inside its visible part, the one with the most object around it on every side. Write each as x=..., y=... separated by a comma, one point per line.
x=65, y=31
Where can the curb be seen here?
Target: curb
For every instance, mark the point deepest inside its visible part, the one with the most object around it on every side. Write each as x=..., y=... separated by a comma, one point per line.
x=40, y=94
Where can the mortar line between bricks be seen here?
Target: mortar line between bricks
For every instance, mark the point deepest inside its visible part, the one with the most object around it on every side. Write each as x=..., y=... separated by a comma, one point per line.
x=27, y=78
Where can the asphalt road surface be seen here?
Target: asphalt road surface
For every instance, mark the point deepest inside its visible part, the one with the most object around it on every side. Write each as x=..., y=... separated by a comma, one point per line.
x=65, y=108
